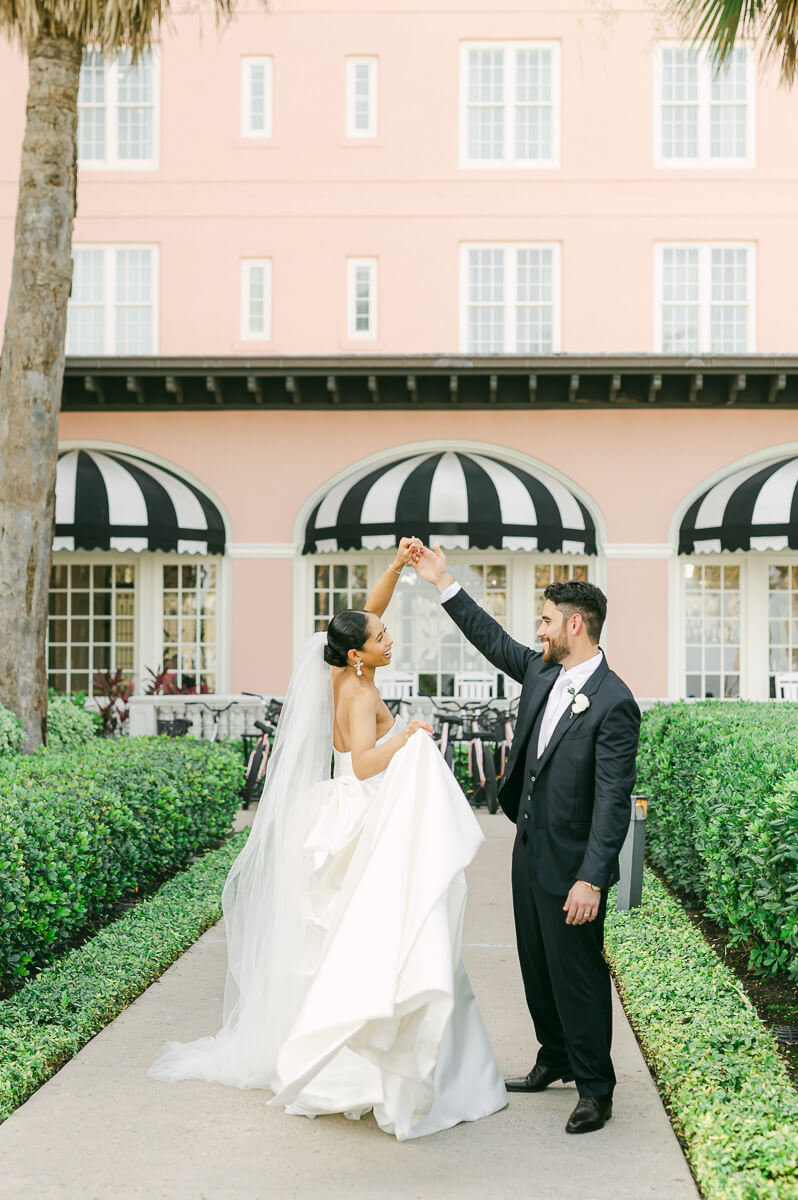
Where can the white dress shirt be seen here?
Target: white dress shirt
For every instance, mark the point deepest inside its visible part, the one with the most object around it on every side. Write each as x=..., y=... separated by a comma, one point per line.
x=560, y=695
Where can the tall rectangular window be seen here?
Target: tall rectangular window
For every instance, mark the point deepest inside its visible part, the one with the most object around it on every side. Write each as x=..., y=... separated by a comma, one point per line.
x=189, y=629
x=256, y=299
x=361, y=97
x=257, y=101
x=113, y=305
x=119, y=111
x=91, y=624
x=510, y=299
x=361, y=298
x=510, y=99
x=705, y=299
x=782, y=622
x=337, y=586
x=712, y=631
x=704, y=116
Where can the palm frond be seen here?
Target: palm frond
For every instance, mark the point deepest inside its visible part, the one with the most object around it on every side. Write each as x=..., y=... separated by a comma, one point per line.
x=724, y=23
x=108, y=24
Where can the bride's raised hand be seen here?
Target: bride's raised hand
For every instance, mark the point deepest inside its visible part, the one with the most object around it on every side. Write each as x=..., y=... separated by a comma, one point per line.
x=408, y=551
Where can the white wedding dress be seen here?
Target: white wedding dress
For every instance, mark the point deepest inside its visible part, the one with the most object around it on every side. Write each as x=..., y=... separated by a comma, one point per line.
x=370, y=1006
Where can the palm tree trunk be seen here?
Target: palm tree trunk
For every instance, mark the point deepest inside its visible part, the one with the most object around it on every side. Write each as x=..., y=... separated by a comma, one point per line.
x=31, y=375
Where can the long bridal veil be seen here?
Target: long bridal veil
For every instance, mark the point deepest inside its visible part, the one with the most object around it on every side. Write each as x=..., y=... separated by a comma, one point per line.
x=265, y=898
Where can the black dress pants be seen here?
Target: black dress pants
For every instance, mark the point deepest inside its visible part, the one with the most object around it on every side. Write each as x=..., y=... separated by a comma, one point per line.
x=566, y=980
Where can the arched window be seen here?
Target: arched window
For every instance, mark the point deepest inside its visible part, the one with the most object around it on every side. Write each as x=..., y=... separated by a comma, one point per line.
x=137, y=554
x=738, y=557
x=509, y=528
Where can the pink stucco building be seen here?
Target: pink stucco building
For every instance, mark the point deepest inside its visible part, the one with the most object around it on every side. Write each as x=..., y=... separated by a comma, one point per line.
x=520, y=279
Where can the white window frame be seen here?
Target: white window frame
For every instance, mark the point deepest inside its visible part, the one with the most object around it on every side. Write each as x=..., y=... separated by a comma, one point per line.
x=352, y=267
x=247, y=63
x=109, y=292
x=704, y=292
x=247, y=333
x=352, y=63
x=148, y=633
x=510, y=289
x=112, y=162
x=521, y=620
x=111, y=558
x=703, y=159
x=509, y=161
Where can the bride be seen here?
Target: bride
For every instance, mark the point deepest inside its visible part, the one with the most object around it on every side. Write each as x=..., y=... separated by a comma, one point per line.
x=346, y=990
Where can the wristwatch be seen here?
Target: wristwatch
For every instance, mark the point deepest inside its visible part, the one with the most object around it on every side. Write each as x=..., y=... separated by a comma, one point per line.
x=592, y=886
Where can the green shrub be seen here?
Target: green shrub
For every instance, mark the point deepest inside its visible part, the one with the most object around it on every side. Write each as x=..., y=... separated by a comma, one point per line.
x=81, y=831
x=12, y=734
x=723, y=822
x=69, y=725
x=55, y=1014
x=718, y=1069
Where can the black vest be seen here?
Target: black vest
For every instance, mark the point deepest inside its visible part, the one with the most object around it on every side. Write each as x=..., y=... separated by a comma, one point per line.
x=531, y=764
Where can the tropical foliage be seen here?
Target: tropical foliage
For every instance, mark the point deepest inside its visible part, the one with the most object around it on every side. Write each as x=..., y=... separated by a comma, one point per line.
x=774, y=23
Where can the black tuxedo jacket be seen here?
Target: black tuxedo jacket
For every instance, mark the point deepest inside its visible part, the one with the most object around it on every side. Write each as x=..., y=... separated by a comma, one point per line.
x=574, y=802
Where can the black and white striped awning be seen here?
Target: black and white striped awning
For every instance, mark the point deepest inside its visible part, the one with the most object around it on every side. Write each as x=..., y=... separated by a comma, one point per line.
x=463, y=500
x=755, y=508
x=114, y=501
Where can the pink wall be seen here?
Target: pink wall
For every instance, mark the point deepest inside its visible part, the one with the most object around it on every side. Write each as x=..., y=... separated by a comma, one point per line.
x=265, y=466
x=638, y=468
x=308, y=198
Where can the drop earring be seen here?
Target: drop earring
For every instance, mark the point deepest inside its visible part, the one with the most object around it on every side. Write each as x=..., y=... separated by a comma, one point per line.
x=359, y=668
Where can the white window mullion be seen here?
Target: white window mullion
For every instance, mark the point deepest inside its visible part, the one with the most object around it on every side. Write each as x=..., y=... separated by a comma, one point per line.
x=112, y=110
x=704, y=107
x=510, y=299
x=361, y=298
x=361, y=111
x=704, y=298
x=509, y=105
x=256, y=299
x=110, y=300
x=257, y=83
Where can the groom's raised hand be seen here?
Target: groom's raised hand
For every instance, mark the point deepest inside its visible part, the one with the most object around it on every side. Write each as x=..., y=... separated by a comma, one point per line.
x=431, y=565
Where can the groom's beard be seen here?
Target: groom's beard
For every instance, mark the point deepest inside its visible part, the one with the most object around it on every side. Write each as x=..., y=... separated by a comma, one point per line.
x=555, y=650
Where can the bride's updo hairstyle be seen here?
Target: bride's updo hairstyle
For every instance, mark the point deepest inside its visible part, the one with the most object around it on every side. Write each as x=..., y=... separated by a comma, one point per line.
x=348, y=630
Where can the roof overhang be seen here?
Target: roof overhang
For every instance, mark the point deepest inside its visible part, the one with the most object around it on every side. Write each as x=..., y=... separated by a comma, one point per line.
x=559, y=381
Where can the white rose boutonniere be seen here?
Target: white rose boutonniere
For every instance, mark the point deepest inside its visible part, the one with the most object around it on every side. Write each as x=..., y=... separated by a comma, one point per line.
x=580, y=703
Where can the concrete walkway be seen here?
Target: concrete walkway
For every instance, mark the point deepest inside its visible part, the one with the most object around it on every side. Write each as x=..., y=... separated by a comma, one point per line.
x=102, y=1129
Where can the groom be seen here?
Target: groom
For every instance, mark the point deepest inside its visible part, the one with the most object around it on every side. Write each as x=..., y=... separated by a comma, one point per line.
x=567, y=786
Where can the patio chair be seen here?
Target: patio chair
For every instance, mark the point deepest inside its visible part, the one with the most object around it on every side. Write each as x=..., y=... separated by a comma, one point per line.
x=787, y=685
x=474, y=685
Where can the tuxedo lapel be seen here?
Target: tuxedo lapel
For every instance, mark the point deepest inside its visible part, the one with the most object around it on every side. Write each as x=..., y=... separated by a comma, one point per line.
x=540, y=694
x=567, y=720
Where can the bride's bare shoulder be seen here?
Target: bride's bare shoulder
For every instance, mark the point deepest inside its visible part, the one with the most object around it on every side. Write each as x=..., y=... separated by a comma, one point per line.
x=350, y=693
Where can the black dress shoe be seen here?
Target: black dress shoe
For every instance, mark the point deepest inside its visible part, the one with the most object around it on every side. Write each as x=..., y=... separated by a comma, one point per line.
x=592, y=1112
x=538, y=1079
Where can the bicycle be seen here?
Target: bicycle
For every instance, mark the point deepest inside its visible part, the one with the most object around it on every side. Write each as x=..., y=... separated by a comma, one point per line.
x=216, y=712
x=448, y=721
x=256, y=760
x=481, y=763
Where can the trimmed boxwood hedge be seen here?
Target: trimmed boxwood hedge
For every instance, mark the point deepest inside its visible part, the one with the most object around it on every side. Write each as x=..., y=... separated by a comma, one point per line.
x=70, y=724
x=12, y=734
x=81, y=831
x=719, y=1072
x=48, y=1020
x=723, y=821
